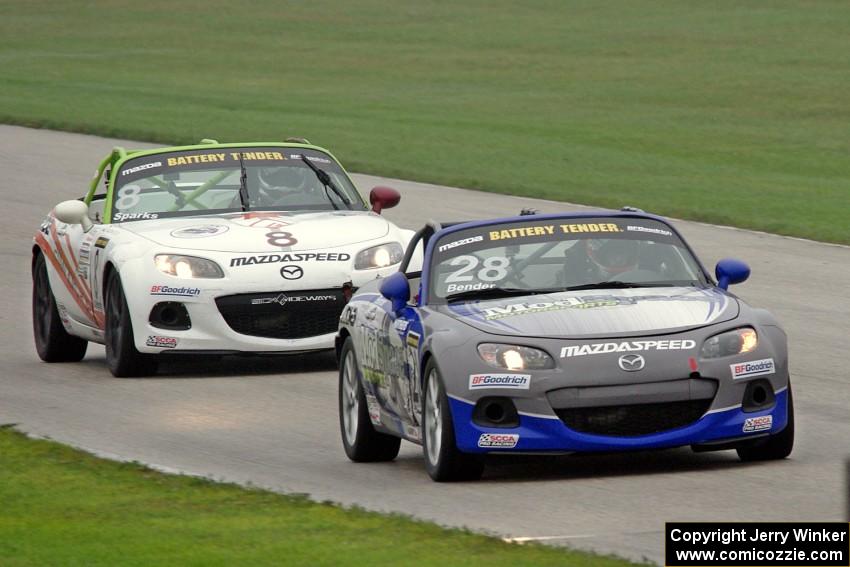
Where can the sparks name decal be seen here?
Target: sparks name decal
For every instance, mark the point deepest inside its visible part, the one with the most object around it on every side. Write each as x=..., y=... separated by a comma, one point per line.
x=758, y=423
x=627, y=346
x=753, y=368
x=176, y=291
x=498, y=440
x=289, y=257
x=161, y=342
x=135, y=216
x=509, y=381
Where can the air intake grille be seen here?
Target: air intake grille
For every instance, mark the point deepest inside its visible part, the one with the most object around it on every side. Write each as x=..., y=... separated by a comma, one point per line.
x=634, y=420
x=283, y=315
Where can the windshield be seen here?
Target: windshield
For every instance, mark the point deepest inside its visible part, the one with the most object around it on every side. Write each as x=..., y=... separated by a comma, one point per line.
x=535, y=256
x=207, y=181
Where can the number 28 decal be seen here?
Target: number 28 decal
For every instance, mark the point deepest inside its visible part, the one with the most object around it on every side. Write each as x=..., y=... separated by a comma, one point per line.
x=493, y=269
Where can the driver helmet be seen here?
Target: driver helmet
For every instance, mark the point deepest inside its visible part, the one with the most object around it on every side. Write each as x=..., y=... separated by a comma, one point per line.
x=279, y=181
x=613, y=256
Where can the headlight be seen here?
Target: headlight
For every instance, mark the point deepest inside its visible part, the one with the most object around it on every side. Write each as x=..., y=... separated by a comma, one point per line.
x=737, y=341
x=187, y=266
x=514, y=357
x=379, y=256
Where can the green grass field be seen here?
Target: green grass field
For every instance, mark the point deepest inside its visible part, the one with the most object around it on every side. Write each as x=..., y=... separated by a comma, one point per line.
x=64, y=507
x=727, y=112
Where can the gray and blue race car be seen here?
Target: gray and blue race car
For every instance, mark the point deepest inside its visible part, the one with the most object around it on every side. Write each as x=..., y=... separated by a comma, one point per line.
x=559, y=333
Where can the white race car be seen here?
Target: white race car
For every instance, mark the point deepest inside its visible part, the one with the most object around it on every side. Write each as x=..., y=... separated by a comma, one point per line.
x=208, y=249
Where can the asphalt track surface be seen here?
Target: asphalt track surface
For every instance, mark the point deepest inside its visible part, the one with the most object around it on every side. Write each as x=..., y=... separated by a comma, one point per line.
x=273, y=422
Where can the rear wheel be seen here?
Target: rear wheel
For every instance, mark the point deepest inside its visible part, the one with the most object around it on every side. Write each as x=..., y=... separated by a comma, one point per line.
x=52, y=341
x=360, y=440
x=776, y=446
x=443, y=461
x=122, y=358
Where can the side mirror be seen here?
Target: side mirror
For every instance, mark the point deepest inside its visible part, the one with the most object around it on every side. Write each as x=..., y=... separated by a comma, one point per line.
x=396, y=288
x=731, y=271
x=73, y=212
x=383, y=198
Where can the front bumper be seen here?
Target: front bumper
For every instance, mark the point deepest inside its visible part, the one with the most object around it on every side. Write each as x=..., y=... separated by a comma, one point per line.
x=539, y=433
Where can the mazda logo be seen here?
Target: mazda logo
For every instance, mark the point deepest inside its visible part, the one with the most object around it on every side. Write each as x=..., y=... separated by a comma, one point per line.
x=631, y=362
x=291, y=272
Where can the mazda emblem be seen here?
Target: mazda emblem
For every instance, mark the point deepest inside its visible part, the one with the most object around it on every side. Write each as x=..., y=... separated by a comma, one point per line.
x=631, y=362
x=291, y=272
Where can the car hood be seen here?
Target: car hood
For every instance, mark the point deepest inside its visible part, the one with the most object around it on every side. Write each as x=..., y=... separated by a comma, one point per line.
x=622, y=312
x=262, y=231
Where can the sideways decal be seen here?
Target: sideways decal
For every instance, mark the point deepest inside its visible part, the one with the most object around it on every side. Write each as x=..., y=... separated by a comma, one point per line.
x=498, y=440
x=413, y=339
x=649, y=230
x=161, y=342
x=509, y=381
x=177, y=291
x=289, y=257
x=753, y=368
x=626, y=346
x=758, y=423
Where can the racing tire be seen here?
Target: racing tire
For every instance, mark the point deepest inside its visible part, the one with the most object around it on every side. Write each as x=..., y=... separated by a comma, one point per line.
x=361, y=442
x=776, y=446
x=122, y=358
x=52, y=342
x=443, y=461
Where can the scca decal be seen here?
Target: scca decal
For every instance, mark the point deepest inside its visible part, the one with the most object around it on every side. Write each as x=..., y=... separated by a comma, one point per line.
x=757, y=423
x=628, y=346
x=498, y=440
x=289, y=257
x=161, y=342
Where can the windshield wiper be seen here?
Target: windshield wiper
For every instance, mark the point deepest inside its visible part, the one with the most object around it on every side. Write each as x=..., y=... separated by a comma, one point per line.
x=243, y=184
x=615, y=285
x=326, y=180
x=491, y=293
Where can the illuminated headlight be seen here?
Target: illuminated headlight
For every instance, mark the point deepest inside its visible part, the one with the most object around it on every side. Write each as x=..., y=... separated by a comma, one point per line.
x=187, y=266
x=737, y=341
x=515, y=357
x=379, y=256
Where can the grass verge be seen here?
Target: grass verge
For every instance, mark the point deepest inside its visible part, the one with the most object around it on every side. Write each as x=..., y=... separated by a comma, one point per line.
x=726, y=112
x=64, y=506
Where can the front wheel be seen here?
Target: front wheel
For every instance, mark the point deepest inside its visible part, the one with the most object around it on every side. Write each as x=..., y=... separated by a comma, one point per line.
x=52, y=341
x=122, y=358
x=361, y=442
x=776, y=446
x=443, y=461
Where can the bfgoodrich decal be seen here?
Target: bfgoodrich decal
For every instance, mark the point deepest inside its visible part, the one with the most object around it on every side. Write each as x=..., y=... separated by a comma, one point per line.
x=176, y=291
x=509, y=381
x=627, y=346
x=753, y=368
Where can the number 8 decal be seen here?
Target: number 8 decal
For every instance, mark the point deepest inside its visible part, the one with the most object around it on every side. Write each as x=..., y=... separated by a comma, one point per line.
x=279, y=238
x=128, y=197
